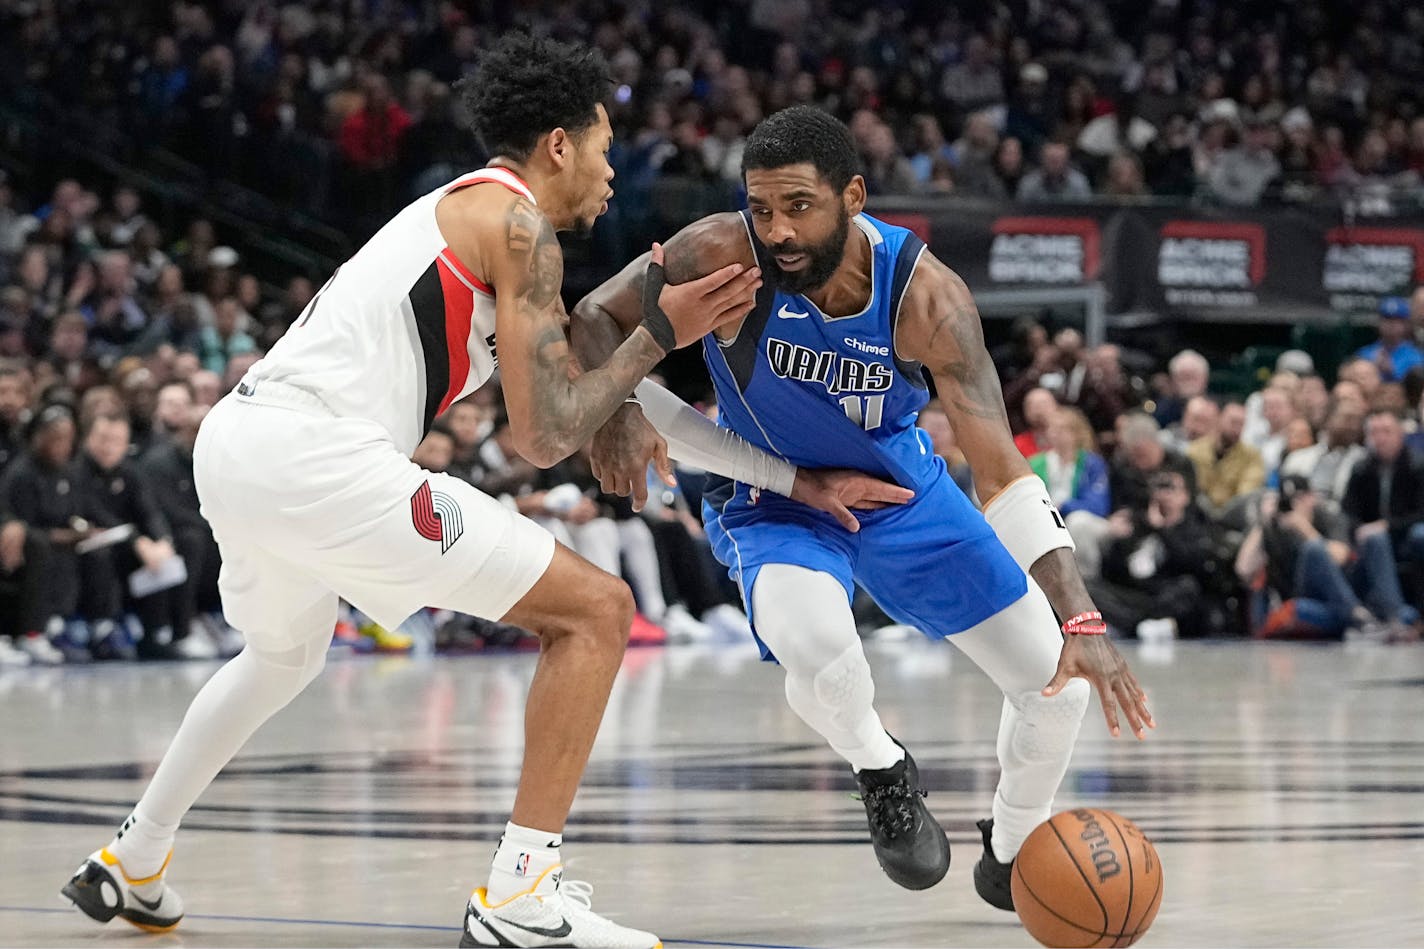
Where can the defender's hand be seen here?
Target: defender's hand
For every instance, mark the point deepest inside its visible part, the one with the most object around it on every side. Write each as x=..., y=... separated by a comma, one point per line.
x=698, y=307
x=1095, y=658
x=621, y=452
x=837, y=490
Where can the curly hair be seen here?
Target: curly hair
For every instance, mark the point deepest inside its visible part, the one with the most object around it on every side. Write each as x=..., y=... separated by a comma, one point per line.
x=799, y=134
x=527, y=86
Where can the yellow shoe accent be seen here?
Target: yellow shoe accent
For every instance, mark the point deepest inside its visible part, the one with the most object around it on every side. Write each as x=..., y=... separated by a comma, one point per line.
x=483, y=893
x=387, y=640
x=113, y=861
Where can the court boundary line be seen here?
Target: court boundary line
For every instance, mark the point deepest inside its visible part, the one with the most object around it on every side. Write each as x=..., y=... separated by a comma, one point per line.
x=423, y=927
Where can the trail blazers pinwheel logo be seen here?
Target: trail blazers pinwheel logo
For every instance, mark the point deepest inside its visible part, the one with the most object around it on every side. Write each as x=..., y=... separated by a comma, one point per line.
x=436, y=516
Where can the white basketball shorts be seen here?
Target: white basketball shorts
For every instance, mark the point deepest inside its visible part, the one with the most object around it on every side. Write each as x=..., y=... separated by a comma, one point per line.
x=307, y=507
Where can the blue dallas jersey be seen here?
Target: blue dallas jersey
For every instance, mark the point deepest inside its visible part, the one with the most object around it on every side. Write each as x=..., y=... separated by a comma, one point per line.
x=823, y=391
x=829, y=392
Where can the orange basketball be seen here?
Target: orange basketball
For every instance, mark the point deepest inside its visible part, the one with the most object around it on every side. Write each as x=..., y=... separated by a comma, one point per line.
x=1087, y=877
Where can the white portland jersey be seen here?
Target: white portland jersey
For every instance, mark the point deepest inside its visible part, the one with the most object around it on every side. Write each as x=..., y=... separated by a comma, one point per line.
x=400, y=331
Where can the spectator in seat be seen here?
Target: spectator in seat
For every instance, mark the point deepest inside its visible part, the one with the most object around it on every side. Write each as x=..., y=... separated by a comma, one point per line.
x=1394, y=353
x=1277, y=411
x=1189, y=373
x=114, y=492
x=1386, y=490
x=1075, y=474
x=1039, y=407
x=1054, y=179
x=1342, y=447
x=1228, y=470
x=116, y=318
x=37, y=490
x=1309, y=580
x=1302, y=450
x=227, y=337
x=1239, y=176
x=1140, y=455
x=1198, y=421
x=1156, y=560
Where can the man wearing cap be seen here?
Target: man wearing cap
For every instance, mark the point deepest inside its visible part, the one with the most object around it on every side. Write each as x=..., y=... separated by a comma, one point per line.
x=1393, y=352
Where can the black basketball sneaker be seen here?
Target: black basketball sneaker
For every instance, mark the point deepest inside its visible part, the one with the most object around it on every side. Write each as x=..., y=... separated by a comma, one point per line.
x=909, y=843
x=991, y=878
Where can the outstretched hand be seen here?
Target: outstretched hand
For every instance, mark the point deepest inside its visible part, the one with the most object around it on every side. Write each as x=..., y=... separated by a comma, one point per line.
x=839, y=490
x=1095, y=658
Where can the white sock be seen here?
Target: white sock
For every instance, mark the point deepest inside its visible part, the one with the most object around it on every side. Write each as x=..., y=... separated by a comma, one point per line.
x=526, y=860
x=142, y=846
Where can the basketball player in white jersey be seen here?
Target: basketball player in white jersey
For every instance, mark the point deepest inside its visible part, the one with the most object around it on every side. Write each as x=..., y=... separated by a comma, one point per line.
x=304, y=473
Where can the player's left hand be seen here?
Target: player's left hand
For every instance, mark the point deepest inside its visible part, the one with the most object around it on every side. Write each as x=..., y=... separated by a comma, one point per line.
x=837, y=490
x=621, y=452
x=1095, y=658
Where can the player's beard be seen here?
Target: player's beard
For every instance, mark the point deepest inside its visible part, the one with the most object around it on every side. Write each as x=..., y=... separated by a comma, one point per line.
x=823, y=259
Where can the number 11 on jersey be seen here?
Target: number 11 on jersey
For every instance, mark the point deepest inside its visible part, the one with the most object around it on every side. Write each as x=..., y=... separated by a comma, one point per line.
x=864, y=411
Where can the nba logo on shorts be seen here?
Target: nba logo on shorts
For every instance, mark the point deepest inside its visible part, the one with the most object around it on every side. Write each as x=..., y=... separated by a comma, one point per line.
x=521, y=866
x=436, y=516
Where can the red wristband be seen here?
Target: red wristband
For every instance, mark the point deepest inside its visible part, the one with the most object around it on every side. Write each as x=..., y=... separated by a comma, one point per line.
x=1086, y=624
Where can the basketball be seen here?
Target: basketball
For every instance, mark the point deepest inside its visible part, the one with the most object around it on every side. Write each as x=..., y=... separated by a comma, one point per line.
x=1087, y=877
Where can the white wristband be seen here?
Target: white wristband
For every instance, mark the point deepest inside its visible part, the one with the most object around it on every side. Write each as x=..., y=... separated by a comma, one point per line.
x=695, y=439
x=1027, y=521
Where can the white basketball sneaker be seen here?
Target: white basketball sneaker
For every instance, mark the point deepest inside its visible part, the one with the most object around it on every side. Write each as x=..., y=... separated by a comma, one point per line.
x=564, y=917
x=101, y=890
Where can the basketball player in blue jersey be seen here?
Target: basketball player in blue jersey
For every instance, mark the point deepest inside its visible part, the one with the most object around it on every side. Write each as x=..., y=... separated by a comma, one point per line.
x=826, y=371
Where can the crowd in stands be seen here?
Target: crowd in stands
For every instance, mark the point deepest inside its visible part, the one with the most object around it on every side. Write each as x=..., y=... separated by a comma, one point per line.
x=1295, y=511
x=346, y=109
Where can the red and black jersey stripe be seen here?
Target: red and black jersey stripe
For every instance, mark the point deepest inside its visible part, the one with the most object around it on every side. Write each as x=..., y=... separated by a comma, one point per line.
x=443, y=304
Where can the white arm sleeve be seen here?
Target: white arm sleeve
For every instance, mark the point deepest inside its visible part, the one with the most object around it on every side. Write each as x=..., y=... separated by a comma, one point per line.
x=695, y=439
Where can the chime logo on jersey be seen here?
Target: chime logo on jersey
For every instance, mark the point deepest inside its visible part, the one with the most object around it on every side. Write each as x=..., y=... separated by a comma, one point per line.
x=436, y=516
x=836, y=372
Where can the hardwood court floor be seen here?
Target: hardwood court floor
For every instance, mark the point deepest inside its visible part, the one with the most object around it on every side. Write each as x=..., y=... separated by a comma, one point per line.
x=1284, y=789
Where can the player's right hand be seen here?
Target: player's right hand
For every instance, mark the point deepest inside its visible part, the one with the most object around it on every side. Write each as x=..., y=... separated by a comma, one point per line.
x=1095, y=658
x=698, y=307
x=839, y=490
x=621, y=452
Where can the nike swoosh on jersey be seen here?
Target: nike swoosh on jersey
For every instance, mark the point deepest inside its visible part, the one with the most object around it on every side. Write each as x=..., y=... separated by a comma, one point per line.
x=788, y=314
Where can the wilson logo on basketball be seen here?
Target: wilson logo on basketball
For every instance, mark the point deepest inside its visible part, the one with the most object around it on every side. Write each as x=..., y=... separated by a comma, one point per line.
x=1104, y=859
x=436, y=516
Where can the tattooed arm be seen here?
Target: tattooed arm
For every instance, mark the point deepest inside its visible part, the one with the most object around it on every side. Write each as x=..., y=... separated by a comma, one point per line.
x=551, y=413
x=600, y=322
x=939, y=327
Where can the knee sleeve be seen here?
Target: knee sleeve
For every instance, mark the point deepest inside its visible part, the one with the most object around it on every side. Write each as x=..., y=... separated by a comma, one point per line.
x=1048, y=725
x=844, y=688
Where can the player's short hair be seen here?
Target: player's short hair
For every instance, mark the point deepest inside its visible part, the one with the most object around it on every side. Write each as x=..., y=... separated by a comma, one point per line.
x=528, y=86
x=800, y=134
